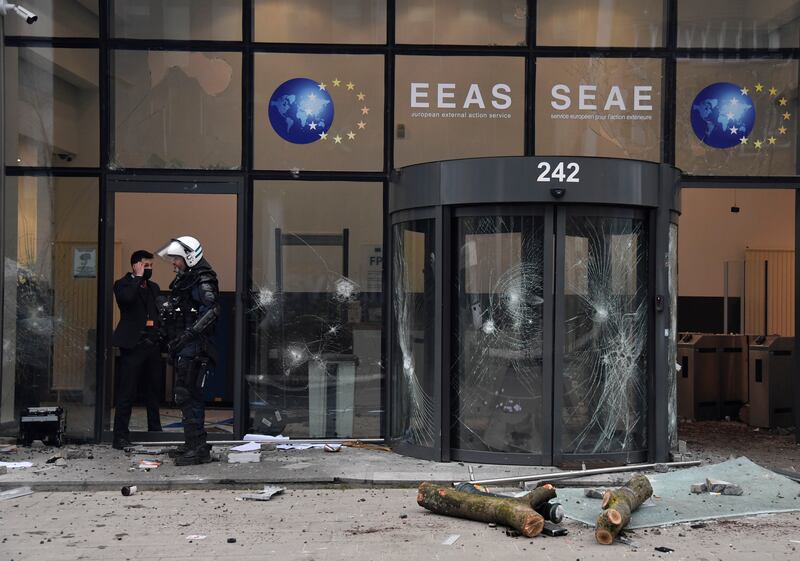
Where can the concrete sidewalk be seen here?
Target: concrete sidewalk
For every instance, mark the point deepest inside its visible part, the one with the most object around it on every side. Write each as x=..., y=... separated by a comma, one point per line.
x=101, y=468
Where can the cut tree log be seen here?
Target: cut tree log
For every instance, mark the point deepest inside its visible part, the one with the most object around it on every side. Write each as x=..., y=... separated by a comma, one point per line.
x=618, y=504
x=535, y=498
x=508, y=511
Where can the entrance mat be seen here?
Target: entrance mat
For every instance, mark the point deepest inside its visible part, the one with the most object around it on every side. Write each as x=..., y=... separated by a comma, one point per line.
x=673, y=502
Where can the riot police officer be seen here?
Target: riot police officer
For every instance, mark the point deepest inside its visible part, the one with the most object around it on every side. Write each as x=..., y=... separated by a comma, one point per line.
x=193, y=309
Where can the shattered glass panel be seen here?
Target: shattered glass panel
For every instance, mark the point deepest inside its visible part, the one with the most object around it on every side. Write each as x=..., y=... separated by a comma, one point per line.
x=49, y=319
x=314, y=321
x=672, y=342
x=177, y=110
x=413, y=346
x=498, y=340
x=605, y=349
x=52, y=111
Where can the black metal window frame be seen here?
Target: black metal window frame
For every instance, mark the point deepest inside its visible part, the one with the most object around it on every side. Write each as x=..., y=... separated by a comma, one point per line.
x=106, y=44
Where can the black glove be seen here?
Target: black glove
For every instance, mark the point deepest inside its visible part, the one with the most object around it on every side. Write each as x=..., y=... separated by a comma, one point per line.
x=180, y=341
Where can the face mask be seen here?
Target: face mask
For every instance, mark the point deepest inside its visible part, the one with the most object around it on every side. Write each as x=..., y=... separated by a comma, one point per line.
x=147, y=273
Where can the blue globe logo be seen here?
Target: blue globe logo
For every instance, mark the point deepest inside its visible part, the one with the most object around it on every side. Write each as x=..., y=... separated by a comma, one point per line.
x=722, y=115
x=300, y=111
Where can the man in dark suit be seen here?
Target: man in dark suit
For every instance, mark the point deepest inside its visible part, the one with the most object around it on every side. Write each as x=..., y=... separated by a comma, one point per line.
x=136, y=336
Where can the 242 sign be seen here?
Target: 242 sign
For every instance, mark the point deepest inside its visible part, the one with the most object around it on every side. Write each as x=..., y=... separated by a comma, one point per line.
x=561, y=173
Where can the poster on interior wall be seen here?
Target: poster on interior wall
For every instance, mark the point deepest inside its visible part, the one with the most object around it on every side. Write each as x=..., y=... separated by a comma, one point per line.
x=458, y=107
x=372, y=266
x=736, y=117
x=84, y=263
x=599, y=107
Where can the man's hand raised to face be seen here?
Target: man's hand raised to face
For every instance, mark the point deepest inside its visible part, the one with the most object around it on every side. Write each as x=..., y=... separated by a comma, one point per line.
x=138, y=269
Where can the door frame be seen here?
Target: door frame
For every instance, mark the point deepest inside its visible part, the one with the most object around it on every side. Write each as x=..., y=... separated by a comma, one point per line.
x=547, y=211
x=169, y=184
x=562, y=212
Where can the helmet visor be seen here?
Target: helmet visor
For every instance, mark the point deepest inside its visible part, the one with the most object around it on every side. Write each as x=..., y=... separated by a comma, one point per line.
x=173, y=249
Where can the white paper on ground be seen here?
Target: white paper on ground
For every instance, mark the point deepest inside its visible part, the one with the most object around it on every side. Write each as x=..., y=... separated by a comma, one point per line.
x=263, y=495
x=16, y=465
x=244, y=458
x=299, y=446
x=249, y=447
x=265, y=438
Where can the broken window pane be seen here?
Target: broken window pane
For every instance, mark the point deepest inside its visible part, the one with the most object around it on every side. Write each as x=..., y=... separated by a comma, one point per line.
x=177, y=110
x=498, y=387
x=413, y=346
x=49, y=326
x=605, y=350
x=314, y=365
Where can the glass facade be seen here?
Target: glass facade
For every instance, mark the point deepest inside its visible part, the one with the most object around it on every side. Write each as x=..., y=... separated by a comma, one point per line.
x=500, y=336
x=50, y=260
x=316, y=316
x=309, y=106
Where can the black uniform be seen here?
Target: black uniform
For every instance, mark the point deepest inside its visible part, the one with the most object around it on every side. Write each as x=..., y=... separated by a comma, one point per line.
x=136, y=335
x=195, y=304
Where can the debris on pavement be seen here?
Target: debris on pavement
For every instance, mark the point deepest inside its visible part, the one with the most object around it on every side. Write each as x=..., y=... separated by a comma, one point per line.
x=451, y=539
x=530, y=481
x=141, y=450
x=618, y=505
x=248, y=447
x=231, y=540
x=716, y=486
x=332, y=447
x=196, y=537
x=553, y=530
x=129, y=490
x=74, y=454
x=15, y=493
x=244, y=457
x=3, y=470
x=663, y=549
x=16, y=465
x=148, y=464
x=594, y=493
x=264, y=495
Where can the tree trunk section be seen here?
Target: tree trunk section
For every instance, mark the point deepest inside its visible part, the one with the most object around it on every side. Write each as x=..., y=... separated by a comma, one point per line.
x=514, y=513
x=618, y=506
x=535, y=498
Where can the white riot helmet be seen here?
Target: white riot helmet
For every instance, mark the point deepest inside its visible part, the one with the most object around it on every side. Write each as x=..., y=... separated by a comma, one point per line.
x=187, y=247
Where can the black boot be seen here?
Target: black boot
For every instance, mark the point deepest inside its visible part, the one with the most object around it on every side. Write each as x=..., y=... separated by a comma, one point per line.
x=178, y=450
x=195, y=456
x=181, y=449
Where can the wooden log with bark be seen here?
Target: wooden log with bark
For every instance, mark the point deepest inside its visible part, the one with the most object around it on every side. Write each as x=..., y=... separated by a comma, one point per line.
x=535, y=498
x=618, y=504
x=516, y=513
